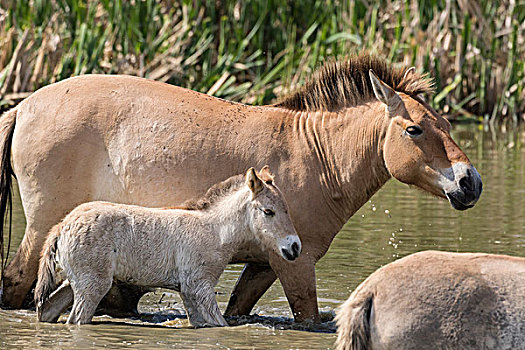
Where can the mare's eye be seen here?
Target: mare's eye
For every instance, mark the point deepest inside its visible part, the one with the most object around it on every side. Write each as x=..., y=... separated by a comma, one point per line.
x=268, y=212
x=414, y=130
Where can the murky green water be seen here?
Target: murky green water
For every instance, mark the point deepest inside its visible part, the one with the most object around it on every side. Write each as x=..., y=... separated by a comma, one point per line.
x=396, y=222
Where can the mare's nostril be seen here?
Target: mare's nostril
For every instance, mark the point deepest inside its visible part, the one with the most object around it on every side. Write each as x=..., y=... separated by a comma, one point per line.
x=466, y=183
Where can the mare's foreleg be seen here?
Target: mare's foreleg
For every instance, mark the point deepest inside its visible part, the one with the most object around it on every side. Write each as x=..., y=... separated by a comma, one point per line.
x=298, y=281
x=253, y=282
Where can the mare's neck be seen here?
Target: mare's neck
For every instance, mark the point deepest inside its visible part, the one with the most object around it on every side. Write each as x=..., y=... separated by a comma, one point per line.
x=347, y=147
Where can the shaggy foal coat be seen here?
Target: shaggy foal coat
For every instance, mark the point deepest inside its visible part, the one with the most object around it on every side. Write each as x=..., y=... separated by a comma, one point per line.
x=181, y=249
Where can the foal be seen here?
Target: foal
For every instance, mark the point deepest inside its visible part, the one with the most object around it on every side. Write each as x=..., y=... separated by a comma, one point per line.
x=184, y=249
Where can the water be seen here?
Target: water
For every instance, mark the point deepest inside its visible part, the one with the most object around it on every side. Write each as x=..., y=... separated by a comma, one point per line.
x=395, y=222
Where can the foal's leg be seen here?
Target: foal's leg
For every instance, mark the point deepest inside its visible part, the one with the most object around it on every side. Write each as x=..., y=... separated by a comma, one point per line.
x=87, y=294
x=190, y=304
x=90, y=271
x=201, y=305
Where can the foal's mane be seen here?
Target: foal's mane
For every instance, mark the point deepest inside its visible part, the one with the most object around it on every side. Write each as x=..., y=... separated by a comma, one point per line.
x=346, y=83
x=215, y=193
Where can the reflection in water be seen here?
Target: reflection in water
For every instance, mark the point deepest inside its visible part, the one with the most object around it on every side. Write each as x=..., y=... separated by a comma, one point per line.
x=396, y=222
x=21, y=331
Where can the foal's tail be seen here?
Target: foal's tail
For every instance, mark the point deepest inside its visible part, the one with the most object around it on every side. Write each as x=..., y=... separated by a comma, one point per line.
x=353, y=325
x=46, y=283
x=7, y=126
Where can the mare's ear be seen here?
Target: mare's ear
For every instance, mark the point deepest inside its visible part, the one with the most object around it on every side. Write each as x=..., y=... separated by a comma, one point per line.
x=266, y=174
x=384, y=93
x=409, y=72
x=253, y=181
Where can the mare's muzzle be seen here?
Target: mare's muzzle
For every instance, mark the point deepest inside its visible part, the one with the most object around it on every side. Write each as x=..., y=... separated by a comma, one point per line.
x=468, y=187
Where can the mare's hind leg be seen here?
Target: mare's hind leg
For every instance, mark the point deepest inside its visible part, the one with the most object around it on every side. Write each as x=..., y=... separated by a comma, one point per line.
x=122, y=300
x=21, y=272
x=56, y=304
x=201, y=305
x=88, y=292
x=42, y=211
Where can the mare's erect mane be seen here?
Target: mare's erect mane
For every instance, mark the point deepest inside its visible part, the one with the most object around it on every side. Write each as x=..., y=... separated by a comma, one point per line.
x=346, y=83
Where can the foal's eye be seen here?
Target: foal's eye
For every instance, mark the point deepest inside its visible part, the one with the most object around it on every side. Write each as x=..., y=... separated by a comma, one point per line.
x=268, y=212
x=414, y=130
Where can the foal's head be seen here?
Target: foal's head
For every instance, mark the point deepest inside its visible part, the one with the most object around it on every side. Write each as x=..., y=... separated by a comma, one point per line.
x=419, y=150
x=268, y=215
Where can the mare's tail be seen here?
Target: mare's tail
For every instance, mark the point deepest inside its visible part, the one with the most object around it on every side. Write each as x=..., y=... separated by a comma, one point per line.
x=7, y=126
x=46, y=283
x=353, y=325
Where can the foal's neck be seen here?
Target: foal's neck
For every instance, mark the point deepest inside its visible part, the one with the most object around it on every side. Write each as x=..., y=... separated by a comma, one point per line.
x=228, y=218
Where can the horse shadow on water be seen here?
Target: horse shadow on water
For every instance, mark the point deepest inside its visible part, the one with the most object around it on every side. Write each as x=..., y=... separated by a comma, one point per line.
x=166, y=312
x=167, y=320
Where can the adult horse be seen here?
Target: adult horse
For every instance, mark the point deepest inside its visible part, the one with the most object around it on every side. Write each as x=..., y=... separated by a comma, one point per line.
x=333, y=144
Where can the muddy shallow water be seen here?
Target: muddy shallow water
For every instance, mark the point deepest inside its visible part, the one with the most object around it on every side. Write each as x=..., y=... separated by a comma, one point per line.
x=397, y=221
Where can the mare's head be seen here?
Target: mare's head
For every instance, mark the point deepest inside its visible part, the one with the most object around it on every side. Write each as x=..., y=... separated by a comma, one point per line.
x=268, y=215
x=418, y=149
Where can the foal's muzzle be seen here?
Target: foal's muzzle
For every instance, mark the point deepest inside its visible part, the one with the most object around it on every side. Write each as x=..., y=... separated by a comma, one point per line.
x=290, y=248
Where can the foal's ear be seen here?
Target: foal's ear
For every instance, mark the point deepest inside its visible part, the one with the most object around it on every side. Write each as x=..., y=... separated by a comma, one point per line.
x=266, y=174
x=253, y=181
x=384, y=93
